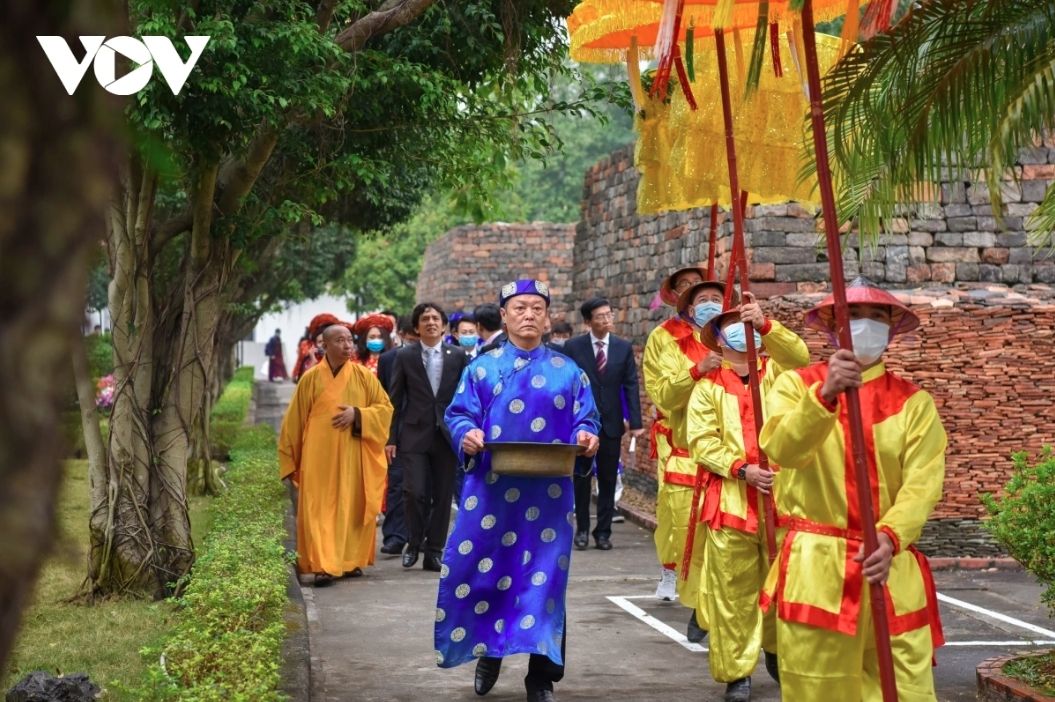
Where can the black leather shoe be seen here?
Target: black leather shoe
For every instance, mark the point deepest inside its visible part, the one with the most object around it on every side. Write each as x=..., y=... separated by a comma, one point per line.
x=487, y=670
x=431, y=563
x=582, y=540
x=541, y=696
x=604, y=544
x=771, y=666
x=738, y=691
x=392, y=549
x=695, y=634
x=410, y=557
x=323, y=580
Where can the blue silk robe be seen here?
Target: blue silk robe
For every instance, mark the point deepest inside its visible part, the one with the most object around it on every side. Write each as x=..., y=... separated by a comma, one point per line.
x=505, y=569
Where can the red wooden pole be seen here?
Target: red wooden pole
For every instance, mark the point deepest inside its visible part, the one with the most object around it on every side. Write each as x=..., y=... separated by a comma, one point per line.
x=740, y=258
x=712, y=244
x=842, y=323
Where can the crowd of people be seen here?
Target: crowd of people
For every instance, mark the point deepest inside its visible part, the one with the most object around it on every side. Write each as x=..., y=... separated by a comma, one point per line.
x=401, y=415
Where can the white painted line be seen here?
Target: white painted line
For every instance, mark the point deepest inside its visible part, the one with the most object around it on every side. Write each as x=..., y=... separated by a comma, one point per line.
x=960, y=604
x=623, y=602
x=669, y=632
x=987, y=644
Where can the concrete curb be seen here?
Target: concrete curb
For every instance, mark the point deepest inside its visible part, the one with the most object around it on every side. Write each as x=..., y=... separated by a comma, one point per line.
x=647, y=521
x=296, y=647
x=994, y=686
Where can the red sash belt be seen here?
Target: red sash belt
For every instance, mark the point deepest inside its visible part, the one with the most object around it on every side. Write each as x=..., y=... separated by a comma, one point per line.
x=846, y=620
x=658, y=428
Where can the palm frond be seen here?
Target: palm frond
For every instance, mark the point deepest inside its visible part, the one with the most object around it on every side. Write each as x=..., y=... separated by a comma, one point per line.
x=1041, y=223
x=955, y=86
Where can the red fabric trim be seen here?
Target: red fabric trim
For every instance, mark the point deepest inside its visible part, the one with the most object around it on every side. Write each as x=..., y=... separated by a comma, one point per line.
x=677, y=328
x=731, y=383
x=683, y=479
x=893, y=537
x=846, y=620
x=702, y=475
x=696, y=373
x=670, y=566
x=824, y=403
x=766, y=328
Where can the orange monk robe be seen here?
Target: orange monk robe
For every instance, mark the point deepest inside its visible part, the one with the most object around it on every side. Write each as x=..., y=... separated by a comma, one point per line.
x=340, y=473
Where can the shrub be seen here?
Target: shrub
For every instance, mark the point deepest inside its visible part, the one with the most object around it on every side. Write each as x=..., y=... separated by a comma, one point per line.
x=227, y=641
x=229, y=413
x=100, y=355
x=1024, y=519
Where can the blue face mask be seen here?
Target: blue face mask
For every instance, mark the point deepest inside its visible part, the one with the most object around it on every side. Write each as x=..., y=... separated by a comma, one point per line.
x=736, y=338
x=705, y=312
x=375, y=345
x=468, y=341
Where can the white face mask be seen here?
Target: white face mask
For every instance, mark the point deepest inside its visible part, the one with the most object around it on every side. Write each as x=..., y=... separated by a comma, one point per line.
x=870, y=339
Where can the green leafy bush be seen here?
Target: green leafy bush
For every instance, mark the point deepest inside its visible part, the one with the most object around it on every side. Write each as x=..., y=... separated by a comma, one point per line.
x=100, y=355
x=1023, y=519
x=229, y=413
x=227, y=641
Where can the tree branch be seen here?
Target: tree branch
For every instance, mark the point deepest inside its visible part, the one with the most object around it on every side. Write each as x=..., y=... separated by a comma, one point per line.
x=167, y=231
x=393, y=14
x=237, y=176
x=324, y=15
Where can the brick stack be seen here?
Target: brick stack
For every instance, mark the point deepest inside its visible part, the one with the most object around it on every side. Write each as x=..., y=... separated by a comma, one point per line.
x=469, y=264
x=991, y=408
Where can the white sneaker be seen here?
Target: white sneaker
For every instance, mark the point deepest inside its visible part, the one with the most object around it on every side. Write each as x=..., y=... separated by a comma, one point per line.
x=668, y=586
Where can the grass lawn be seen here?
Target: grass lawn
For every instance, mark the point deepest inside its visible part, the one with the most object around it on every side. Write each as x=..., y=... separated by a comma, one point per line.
x=104, y=640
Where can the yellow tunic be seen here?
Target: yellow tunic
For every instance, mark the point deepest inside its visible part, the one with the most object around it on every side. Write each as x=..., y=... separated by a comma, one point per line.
x=722, y=437
x=671, y=355
x=825, y=626
x=340, y=473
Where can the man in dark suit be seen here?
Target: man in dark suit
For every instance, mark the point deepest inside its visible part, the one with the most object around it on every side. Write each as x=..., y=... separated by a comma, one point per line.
x=609, y=363
x=424, y=378
x=489, y=326
x=394, y=530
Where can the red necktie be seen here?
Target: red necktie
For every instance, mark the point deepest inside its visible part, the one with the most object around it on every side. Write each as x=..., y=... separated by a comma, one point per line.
x=602, y=360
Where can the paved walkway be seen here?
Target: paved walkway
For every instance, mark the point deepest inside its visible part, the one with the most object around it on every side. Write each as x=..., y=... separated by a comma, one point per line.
x=371, y=637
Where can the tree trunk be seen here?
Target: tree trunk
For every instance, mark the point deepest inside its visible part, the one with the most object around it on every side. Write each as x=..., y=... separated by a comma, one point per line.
x=164, y=347
x=56, y=158
x=93, y=437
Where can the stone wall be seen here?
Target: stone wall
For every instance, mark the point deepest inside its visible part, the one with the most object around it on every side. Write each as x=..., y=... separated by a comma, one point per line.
x=469, y=264
x=985, y=354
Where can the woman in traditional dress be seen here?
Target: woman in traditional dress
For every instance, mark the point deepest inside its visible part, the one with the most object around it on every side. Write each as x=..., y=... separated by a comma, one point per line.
x=373, y=336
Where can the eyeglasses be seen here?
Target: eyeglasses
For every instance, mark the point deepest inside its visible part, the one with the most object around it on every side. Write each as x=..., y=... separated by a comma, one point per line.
x=603, y=317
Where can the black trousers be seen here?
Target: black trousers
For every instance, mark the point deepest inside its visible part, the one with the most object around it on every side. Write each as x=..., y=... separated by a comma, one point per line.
x=607, y=474
x=542, y=672
x=394, y=530
x=428, y=486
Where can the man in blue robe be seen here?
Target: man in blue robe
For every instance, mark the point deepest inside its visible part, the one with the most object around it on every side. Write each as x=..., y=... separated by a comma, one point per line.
x=505, y=569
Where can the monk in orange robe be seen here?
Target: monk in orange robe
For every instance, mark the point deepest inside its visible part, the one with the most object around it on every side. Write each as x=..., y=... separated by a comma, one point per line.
x=332, y=446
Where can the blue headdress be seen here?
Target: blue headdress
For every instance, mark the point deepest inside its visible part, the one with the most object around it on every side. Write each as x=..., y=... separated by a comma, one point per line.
x=524, y=287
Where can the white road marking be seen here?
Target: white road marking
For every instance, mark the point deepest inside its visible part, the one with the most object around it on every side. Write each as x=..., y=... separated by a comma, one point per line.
x=987, y=644
x=623, y=602
x=960, y=604
x=668, y=631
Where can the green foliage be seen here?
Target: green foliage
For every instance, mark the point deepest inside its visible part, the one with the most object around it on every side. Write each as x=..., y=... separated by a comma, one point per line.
x=227, y=640
x=229, y=412
x=385, y=269
x=100, y=351
x=956, y=86
x=550, y=190
x=1023, y=519
x=98, y=284
x=1036, y=671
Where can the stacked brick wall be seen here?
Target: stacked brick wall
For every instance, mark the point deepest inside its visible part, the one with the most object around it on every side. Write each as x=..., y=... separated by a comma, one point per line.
x=987, y=355
x=469, y=264
x=987, y=359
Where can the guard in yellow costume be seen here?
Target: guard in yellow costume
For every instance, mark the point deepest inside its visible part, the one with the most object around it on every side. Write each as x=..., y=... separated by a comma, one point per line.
x=674, y=359
x=824, y=629
x=722, y=439
x=332, y=446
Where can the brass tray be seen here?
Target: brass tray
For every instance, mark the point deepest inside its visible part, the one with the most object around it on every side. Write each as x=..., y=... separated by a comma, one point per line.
x=533, y=460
